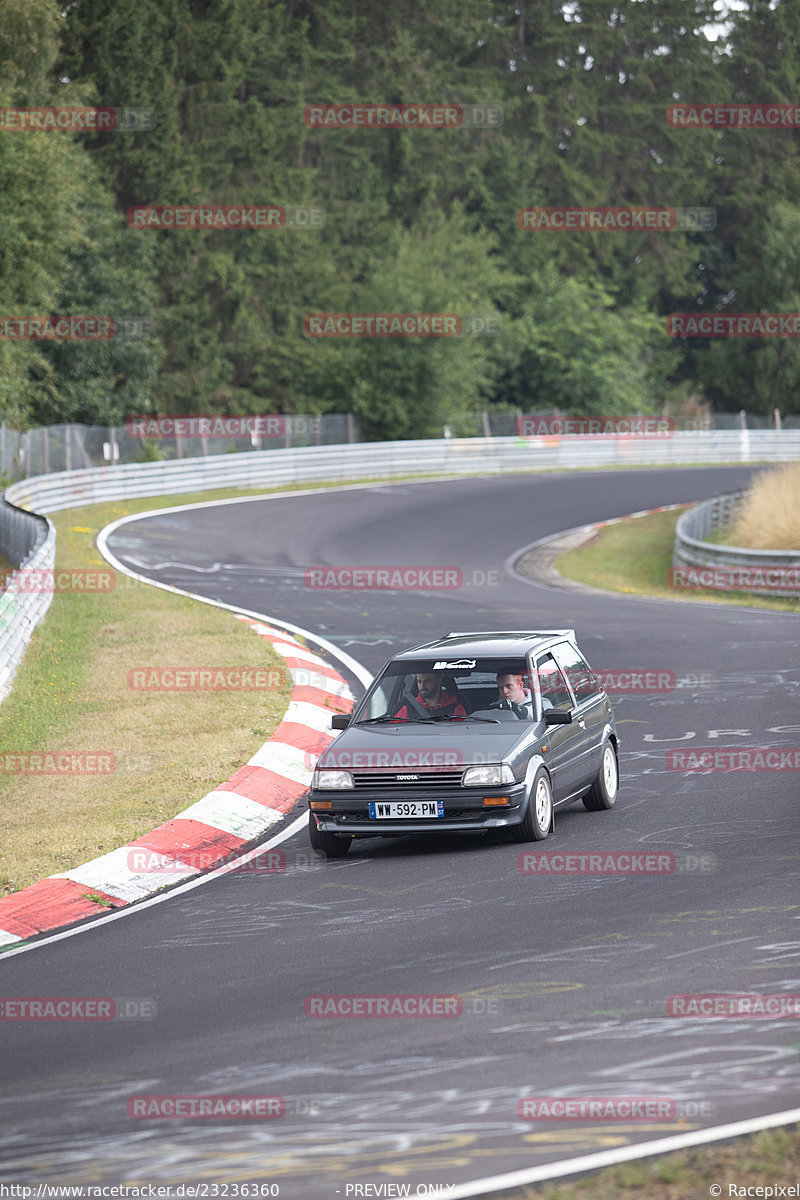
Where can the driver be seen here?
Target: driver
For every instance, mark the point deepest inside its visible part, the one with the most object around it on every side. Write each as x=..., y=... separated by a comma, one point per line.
x=514, y=695
x=431, y=696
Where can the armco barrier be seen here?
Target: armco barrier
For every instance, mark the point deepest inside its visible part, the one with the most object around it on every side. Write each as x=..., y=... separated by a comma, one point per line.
x=690, y=550
x=26, y=540
x=449, y=456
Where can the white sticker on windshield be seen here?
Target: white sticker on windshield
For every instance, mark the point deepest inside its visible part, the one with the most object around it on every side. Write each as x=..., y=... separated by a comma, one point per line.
x=460, y=664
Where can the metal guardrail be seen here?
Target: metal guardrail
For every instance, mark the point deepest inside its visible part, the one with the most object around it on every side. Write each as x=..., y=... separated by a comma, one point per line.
x=448, y=456
x=361, y=460
x=28, y=541
x=730, y=567
x=21, y=533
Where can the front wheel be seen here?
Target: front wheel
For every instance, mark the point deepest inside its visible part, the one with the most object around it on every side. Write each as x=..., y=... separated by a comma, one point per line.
x=538, y=818
x=603, y=792
x=326, y=845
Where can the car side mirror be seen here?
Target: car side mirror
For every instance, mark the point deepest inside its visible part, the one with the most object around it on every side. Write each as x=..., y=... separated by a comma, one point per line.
x=557, y=716
x=340, y=721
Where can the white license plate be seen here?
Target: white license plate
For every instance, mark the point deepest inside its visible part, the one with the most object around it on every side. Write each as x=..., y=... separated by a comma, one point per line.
x=406, y=808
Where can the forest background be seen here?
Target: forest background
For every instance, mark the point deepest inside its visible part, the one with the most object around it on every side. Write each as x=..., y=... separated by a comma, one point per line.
x=416, y=220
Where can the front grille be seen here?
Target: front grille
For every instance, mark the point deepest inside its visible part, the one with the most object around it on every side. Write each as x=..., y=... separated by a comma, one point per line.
x=403, y=780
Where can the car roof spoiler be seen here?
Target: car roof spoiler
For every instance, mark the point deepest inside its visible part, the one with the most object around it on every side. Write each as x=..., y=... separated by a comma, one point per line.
x=531, y=633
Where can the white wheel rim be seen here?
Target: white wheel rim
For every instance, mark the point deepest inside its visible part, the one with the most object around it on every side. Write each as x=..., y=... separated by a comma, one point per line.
x=542, y=804
x=610, y=772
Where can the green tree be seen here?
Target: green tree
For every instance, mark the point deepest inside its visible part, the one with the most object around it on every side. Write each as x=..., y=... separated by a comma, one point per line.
x=759, y=374
x=409, y=387
x=578, y=353
x=60, y=245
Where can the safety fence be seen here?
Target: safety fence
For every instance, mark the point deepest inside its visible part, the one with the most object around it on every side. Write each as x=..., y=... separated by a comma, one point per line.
x=56, y=448
x=702, y=563
x=27, y=541
x=53, y=448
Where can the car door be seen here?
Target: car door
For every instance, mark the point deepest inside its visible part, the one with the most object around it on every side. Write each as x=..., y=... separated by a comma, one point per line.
x=566, y=744
x=591, y=708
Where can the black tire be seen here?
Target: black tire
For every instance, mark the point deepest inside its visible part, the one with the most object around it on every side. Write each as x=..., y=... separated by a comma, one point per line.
x=327, y=845
x=538, y=819
x=603, y=792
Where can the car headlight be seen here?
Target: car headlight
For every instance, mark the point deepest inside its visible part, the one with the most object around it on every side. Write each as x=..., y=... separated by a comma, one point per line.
x=323, y=781
x=490, y=775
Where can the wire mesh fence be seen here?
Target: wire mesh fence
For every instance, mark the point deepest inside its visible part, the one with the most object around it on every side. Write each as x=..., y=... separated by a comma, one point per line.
x=52, y=448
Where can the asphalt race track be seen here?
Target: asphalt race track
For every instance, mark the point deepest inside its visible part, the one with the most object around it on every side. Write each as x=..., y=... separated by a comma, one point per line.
x=564, y=979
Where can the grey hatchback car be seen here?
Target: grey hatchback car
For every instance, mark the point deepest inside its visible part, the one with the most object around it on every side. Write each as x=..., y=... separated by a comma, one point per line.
x=471, y=732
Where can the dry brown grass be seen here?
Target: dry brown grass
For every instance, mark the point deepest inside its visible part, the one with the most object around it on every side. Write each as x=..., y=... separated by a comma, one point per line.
x=769, y=518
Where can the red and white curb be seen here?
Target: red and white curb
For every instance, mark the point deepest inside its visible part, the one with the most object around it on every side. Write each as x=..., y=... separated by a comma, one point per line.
x=212, y=830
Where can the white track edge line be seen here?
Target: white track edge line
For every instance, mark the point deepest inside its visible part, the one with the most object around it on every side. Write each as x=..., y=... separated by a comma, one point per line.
x=360, y=672
x=232, y=865
x=611, y=1158
x=461, y=1191
x=362, y=675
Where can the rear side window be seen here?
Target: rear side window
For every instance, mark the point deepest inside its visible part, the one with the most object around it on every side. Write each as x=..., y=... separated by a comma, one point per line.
x=583, y=682
x=553, y=684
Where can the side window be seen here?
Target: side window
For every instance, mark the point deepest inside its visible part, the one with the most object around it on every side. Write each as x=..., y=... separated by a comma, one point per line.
x=385, y=698
x=583, y=682
x=553, y=684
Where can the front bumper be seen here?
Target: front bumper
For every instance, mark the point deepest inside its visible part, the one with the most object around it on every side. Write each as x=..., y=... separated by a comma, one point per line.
x=464, y=811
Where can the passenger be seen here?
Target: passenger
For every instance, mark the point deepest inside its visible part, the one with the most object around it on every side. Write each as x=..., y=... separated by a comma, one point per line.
x=432, y=698
x=514, y=695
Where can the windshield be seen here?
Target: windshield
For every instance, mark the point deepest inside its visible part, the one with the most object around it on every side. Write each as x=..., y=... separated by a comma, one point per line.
x=437, y=689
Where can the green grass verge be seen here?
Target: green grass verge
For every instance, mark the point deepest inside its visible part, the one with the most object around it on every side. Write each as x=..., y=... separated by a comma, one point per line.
x=635, y=557
x=72, y=694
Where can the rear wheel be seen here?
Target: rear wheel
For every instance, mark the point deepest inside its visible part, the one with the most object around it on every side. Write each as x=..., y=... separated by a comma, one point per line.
x=539, y=815
x=326, y=845
x=603, y=793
